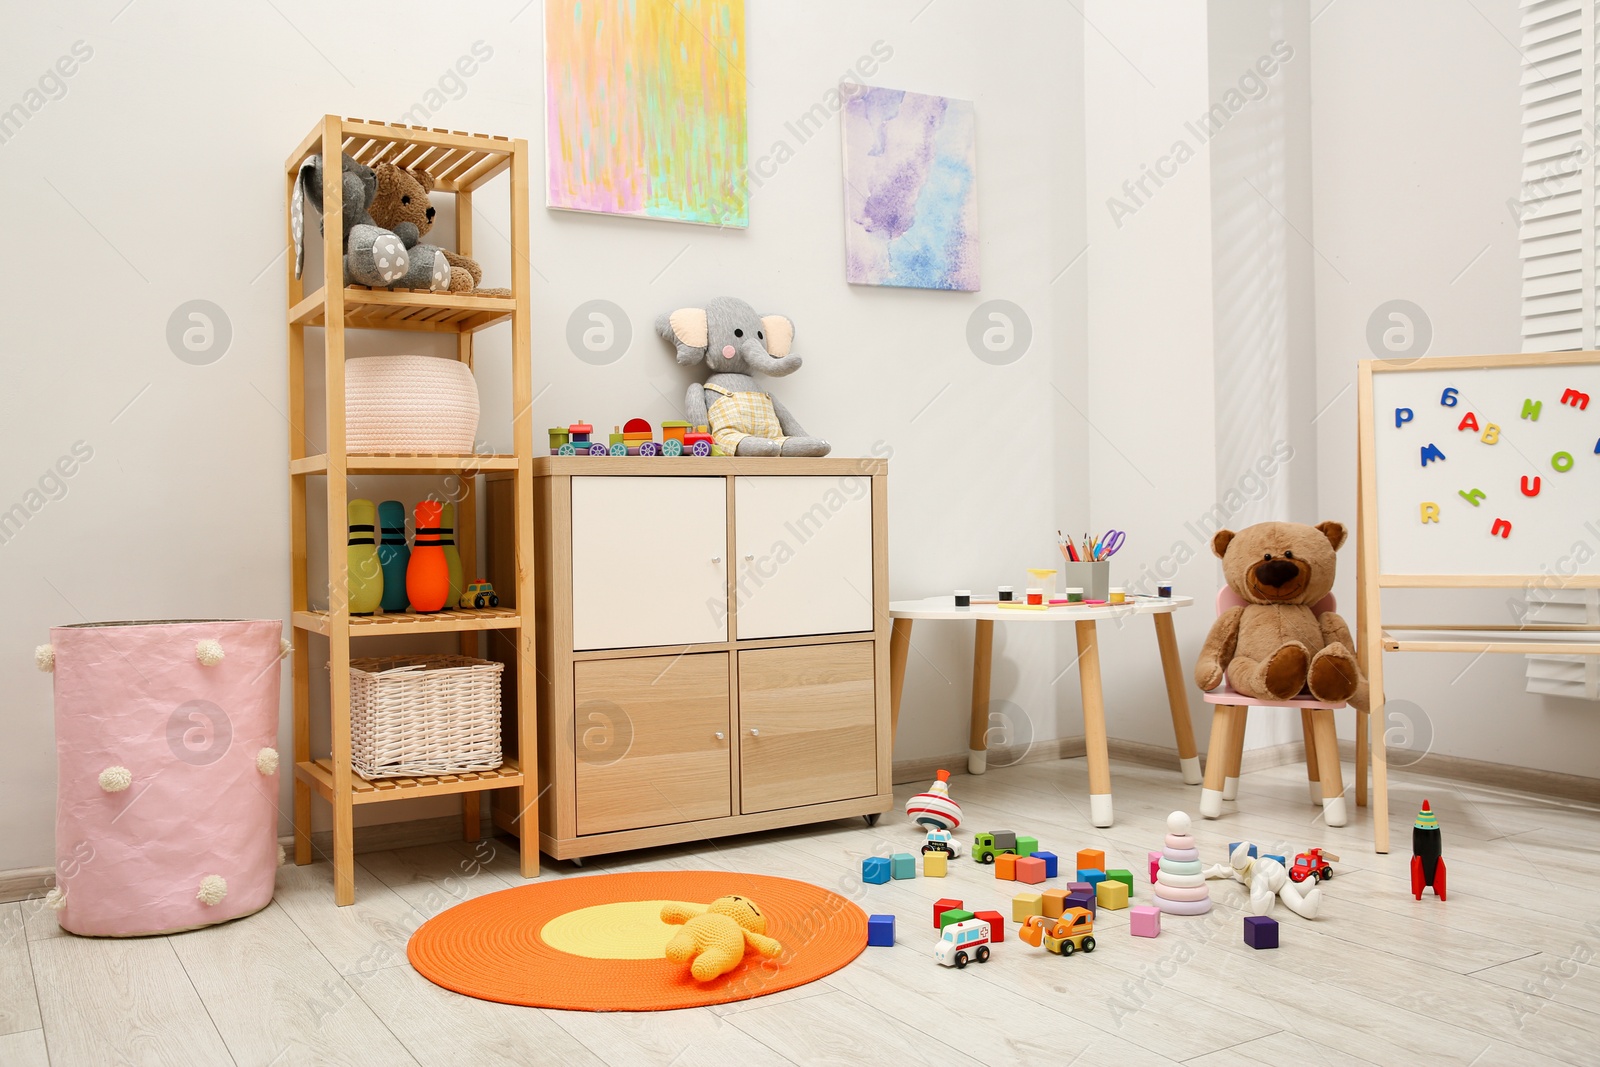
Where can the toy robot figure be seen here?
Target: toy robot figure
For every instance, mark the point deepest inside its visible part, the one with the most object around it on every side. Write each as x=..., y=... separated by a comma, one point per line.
x=1267, y=878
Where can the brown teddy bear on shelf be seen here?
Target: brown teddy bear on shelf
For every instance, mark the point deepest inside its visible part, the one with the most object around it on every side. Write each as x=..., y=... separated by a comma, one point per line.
x=1275, y=646
x=402, y=201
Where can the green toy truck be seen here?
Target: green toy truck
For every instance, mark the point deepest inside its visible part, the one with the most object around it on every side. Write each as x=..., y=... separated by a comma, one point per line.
x=985, y=847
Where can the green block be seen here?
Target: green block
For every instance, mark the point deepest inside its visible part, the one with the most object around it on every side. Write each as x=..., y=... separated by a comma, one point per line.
x=1125, y=877
x=1027, y=846
x=954, y=915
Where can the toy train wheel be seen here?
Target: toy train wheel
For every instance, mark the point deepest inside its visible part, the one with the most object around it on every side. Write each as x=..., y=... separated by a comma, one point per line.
x=598, y=449
x=672, y=447
x=568, y=449
x=1068, y=948
x=983, y=953
x=649, y=448
x=961, y=960
x=1088, y=943
x=619, y=449
x=702, y=448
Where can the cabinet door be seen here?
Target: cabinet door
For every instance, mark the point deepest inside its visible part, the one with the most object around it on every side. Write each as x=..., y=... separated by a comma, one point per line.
x=804, y=555
x=807, y=726
x=649, y=561
x=652, y=741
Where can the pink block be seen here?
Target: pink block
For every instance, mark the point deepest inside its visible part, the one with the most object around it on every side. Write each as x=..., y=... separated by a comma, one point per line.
x=135, y=695
x=1144, y=921
x=1155, y=865
x=1030, y=870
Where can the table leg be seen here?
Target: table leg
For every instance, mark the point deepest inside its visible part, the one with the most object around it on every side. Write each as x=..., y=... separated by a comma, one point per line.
x=1094, y=724
x=899, y=649
x=1178, y=699
x=982, y=661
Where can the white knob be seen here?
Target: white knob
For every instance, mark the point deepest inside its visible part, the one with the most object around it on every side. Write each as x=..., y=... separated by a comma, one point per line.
x=749, y=555
x=716, y=559
x=754, y=732
x=719, y=735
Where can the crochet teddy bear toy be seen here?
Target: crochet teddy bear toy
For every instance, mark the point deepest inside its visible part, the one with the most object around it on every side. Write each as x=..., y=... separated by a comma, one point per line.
x=402, y=203
x=716, y=936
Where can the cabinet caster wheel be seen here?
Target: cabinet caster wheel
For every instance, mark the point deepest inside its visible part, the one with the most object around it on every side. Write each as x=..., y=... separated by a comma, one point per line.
x=872, y=820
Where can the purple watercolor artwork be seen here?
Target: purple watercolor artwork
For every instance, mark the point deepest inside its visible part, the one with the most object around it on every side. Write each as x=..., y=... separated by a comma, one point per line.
x=910, y=189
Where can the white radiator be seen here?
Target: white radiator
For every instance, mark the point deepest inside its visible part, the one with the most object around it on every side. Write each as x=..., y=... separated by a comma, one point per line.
x=1565, y=676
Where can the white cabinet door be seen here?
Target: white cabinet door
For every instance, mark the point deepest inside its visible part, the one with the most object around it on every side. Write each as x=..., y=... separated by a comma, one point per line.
x=649, y=561
x=803, y=555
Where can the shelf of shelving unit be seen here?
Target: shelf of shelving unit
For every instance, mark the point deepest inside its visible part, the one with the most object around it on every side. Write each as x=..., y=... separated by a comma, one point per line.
x=460, y=163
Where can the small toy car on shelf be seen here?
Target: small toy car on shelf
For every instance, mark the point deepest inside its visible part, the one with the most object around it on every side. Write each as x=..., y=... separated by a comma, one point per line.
x=942, y=841
x=1314, y=864
x=963, y=941
x=479, y=594
x=1063, y=936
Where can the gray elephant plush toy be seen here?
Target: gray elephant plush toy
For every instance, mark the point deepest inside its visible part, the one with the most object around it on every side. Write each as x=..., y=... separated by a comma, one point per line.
x=372, y=255
x=731, y=339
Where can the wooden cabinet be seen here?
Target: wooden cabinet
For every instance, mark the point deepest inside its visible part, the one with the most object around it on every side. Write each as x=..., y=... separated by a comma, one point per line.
x=664, y=716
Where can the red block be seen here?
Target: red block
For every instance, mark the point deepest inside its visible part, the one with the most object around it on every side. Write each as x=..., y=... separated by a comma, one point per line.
x=997, y=924
x=942, y=906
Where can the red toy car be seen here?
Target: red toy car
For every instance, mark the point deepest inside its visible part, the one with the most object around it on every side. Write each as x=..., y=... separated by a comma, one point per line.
x=1314, y=864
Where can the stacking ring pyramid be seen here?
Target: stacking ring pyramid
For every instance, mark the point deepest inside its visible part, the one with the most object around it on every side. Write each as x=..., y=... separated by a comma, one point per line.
x=1180, y=887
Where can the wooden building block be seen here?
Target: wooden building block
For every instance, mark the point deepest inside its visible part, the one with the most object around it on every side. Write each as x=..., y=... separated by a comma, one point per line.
x=880, y=930
x=1144, y=921
x=997, y=924
x=875, y=870
x=1091, y=859
x=1005, y=867
x=902, y=865
x=1027, y=845
x=1052, y=863
x=1113, y=896
x=1030, y=869
x=1155, y=866
x=1120, y=875
x=1026, y=904
x=1260, y=931
x=935, y=864
x=1055, y=903
x=941, y=906
x=1079, y=898
x=954, y=915
x=1092, y=875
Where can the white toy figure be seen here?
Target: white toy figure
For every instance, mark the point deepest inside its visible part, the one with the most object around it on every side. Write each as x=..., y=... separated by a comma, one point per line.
x=1267, y=878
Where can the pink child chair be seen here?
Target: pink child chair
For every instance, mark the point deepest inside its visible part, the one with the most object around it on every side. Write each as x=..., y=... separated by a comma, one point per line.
x=1226, y=752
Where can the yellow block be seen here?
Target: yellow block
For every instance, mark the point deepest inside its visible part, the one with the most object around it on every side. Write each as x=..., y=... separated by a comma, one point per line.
x=626, y=930
x=935, y=864
x=1113, y=896
x=1026, y=904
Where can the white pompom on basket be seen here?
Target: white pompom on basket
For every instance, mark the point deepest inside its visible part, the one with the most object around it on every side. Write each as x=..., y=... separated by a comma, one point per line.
x=423, y=404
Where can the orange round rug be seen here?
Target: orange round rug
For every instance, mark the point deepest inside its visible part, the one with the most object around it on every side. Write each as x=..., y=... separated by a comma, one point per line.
x=595, y=943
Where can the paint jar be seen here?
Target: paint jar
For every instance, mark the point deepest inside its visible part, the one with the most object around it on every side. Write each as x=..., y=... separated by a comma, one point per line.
x=963, y=598
x=1035, y=596
x=1074, y=595
x=1044, y=578
x=1119, y=595
x=1004, y=594
x=1164, y=590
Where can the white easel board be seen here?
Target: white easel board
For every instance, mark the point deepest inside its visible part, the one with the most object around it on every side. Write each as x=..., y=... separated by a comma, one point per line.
x=1510, y=505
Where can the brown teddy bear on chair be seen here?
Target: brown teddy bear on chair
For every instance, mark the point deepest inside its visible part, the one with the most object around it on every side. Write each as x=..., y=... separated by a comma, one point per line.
x=1274, y=646
x=402, y=200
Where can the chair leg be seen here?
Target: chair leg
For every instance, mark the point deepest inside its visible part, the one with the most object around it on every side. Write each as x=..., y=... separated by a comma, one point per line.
x=1362, y=725
x=1310, y=736
x=1230, y=783
x=1217, y=760
x=1333, y=808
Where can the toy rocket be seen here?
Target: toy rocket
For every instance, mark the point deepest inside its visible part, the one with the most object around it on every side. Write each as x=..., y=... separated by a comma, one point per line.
x=1427, y=860
x=934, y=809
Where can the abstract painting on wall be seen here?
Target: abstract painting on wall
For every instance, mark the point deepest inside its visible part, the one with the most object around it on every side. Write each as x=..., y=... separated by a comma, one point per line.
x=910, y=190
x=645, y=109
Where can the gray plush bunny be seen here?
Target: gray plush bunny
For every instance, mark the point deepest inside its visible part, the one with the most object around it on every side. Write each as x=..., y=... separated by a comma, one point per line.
x=372, y=255
x=730, y=338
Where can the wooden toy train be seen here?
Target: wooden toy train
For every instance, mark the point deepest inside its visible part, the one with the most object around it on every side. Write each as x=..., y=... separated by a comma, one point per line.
x=633, y=438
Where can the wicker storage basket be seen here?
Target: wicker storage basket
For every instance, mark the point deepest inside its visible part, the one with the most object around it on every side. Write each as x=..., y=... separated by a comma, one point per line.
x=425, y=404
x=430, y=714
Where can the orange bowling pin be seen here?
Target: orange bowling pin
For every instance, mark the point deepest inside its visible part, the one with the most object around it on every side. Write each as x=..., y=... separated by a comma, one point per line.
x=427, y=572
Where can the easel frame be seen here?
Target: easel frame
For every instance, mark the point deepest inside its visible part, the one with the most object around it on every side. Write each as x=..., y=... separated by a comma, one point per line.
x=1374, y=637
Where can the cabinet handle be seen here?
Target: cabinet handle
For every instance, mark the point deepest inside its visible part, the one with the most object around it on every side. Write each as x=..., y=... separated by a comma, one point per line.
x=754, y=732
x=716, y=559
x=719, y=735
x=749, y=555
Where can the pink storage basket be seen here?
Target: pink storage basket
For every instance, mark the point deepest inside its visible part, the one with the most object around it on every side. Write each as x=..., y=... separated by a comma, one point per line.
x=422, y=404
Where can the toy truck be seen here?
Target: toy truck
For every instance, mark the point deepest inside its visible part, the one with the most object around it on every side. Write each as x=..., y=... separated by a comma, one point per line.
x=963, y=941
x=985, y=847
x=1063, y=936
x=941, y=841
x=1314, y=864
x=479, y=594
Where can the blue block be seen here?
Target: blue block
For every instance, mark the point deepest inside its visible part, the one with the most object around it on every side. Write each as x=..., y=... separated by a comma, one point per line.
x=1280, y=859
x=1080, y=899
x=880, y=930
x=1235, y=844
x=1094, y=876
x=902, y=865
x=875, y=870
x=1260, y=931
x=1051, y=863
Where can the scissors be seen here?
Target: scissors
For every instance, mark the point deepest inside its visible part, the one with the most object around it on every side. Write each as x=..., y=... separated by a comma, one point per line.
x=1109, y=544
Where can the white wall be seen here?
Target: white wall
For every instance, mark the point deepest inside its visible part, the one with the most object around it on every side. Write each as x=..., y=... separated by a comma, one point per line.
x=156, y=178
x=1416, y=150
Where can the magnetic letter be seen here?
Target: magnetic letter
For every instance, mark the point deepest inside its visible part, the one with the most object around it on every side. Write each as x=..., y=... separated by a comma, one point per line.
x=1431, y=453
x=1576, y=399
x=1469, y=421
x=1430, y=512
x=1561, y=461
x=1472, y=496
x=1530, y=490
x=1402, y=416
x=1500, y=529
x=1491, y=434
x=1448, y=398
x=1530, y=409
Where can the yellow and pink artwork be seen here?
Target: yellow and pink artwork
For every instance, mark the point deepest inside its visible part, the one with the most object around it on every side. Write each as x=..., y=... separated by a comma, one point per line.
x=645, y=109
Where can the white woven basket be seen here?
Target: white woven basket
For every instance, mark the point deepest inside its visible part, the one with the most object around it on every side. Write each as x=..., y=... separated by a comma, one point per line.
x=423, y=404
x=430, y=714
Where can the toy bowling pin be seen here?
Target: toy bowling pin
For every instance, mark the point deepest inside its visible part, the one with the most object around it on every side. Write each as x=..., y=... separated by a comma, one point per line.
x=393, y=552
x=427, y=572
x=1427, y=854
x=452, y=556
x=363, y=574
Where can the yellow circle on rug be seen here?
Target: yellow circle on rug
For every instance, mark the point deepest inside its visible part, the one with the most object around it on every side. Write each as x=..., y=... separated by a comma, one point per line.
x=624, y=930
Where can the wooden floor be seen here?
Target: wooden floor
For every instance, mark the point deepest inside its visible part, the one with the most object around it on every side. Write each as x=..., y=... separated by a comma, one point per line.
x=1503, y=973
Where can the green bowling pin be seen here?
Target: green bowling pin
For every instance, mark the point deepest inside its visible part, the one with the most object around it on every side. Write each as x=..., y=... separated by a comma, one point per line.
x=364, y=573
x=452, y=555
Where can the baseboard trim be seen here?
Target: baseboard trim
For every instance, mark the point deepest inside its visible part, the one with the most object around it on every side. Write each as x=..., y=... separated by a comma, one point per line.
x=907, y=772
x=25, y=882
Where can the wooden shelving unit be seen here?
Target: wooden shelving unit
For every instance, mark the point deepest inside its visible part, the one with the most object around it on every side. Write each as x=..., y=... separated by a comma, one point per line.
x=460, y=163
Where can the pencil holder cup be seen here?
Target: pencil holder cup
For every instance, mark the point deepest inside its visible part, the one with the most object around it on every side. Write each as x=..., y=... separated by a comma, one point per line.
x=1093, y=578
